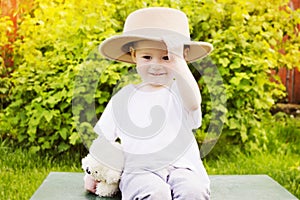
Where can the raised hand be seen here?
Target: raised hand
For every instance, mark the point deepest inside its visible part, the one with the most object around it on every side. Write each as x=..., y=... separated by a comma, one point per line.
x=187, y=85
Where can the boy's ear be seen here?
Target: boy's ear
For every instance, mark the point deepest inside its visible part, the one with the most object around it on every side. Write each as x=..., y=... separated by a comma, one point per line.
x=185, y=52
x=133, y=54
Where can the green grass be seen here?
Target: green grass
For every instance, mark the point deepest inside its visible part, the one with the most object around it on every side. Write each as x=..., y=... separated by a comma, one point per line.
x=22, y=172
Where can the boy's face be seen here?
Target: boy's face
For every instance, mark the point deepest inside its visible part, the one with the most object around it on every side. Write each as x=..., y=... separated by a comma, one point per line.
x=153, y=63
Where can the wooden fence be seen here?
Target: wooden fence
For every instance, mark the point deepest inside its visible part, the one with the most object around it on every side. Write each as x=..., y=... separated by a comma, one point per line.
x=291, y=77
x=291, y=80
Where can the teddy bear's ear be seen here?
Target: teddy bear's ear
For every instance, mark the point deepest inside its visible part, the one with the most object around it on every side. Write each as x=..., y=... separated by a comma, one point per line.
x=86, y=162
x=83, y=163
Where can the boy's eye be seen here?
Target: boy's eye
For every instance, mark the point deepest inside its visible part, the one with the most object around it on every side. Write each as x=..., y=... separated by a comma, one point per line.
x=147, y=57
x=165, y=58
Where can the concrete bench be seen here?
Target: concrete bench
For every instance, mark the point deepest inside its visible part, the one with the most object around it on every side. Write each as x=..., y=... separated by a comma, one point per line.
x=69, y=186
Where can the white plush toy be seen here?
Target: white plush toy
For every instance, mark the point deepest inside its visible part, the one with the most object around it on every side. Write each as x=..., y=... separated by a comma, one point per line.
x=107, y=178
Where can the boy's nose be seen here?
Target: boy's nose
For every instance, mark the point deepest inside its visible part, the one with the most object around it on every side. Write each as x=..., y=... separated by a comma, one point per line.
x=156, y=66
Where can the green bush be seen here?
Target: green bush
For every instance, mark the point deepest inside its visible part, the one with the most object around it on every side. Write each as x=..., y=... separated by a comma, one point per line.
x=247, y=36
x=55, y=62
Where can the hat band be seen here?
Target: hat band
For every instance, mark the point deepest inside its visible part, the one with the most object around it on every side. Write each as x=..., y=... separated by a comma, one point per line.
x=157, y=34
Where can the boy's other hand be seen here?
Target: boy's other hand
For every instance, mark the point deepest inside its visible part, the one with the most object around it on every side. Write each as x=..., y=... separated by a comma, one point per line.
x=89, y=183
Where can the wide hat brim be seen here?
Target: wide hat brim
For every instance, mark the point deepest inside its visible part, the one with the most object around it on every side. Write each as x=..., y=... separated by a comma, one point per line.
x=117, y=47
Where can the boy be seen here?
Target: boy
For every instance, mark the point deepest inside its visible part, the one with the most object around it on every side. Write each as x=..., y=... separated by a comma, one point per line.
x=154, y=120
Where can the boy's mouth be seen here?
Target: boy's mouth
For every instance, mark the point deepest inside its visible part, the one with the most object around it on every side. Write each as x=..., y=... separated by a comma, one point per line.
x=158, y=74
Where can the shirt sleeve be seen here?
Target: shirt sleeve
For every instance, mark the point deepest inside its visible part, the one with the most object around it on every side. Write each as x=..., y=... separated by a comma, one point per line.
x=106, y=125
x=194, y=118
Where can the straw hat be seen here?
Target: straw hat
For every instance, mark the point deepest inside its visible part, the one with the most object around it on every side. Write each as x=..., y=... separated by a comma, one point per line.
x=153, y=23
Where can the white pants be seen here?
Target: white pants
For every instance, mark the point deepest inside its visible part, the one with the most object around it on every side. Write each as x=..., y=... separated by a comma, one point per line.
x=172, y=183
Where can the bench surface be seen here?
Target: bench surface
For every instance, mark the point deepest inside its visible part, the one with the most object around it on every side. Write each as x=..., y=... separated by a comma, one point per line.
x=69, y=186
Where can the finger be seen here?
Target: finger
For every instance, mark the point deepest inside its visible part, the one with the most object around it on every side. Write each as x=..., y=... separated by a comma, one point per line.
x=174, y=45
